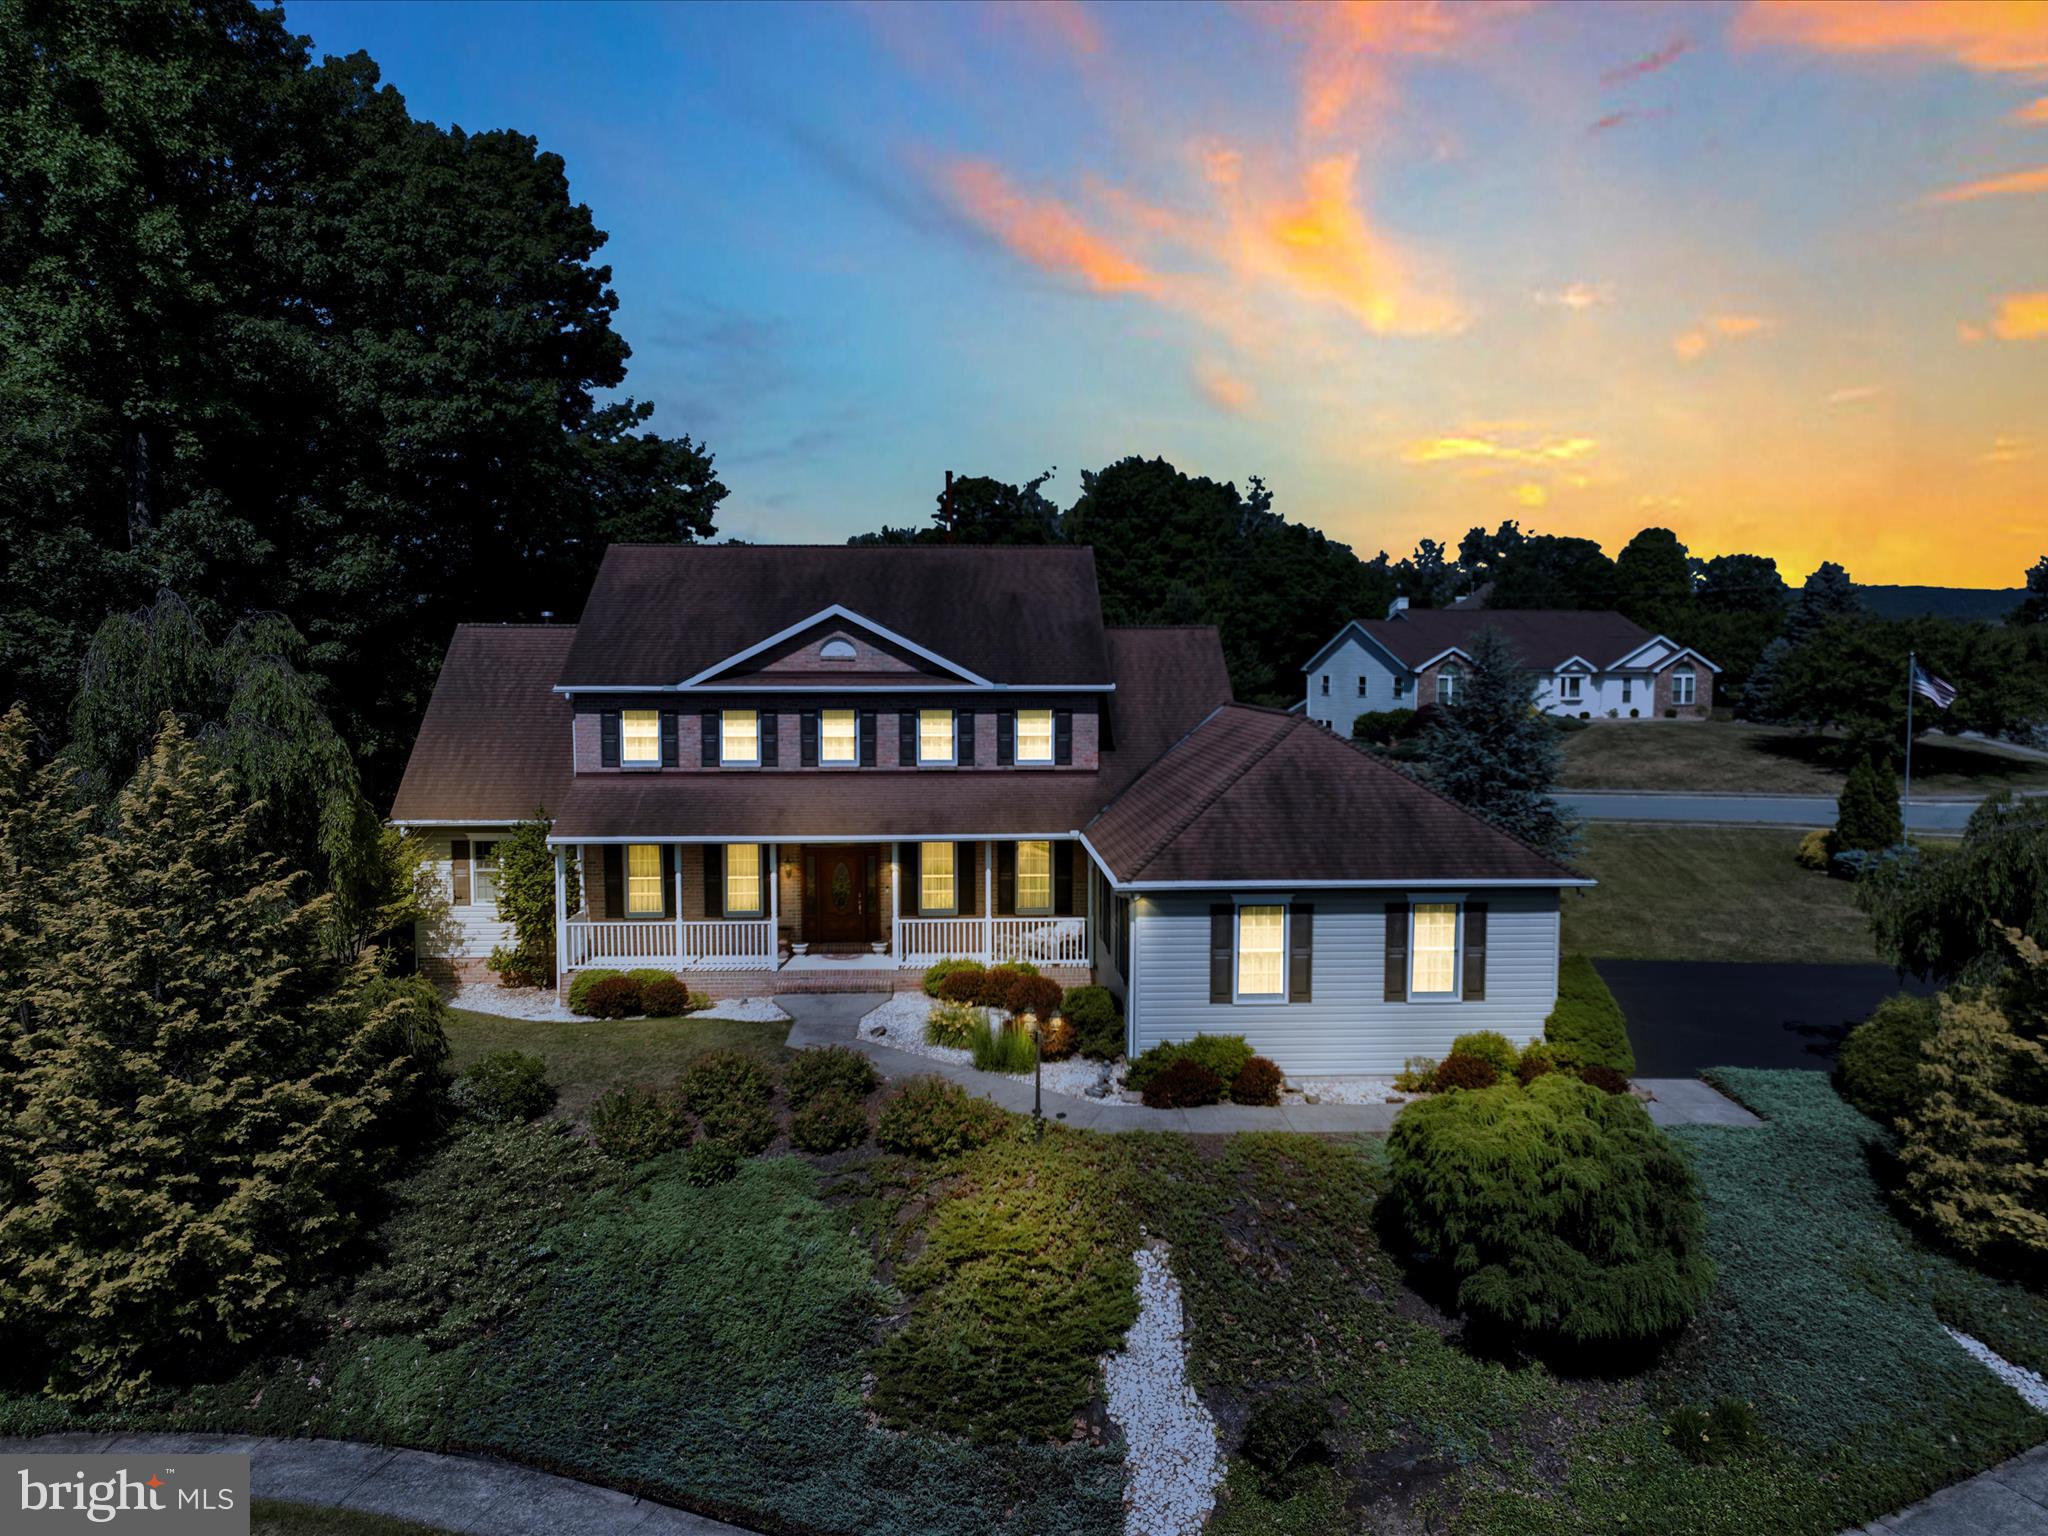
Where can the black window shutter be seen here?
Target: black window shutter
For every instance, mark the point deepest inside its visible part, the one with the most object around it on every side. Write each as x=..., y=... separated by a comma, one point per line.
x=614, y=880
x=1475, y=952
x=608, y=739
x=714, y=880
x=1105, y=726
x=458, y=870
x=807, y=740
x=1063, y=736
x=906, y=738
x=668, y=881
x=1063, y=879
x=1222, y=952
x=1006, y=879
x=771, y=740
x=867, y=738
x=767, y=873
x=1006, y=738
x=709, y=739
x=1301, y=950
x=1397, y=952
x=671, y=740
x=915, y=864
x=963, y=737
x=965, y=887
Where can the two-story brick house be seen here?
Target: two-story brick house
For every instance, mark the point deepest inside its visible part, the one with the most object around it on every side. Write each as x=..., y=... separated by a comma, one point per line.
x=823, y=768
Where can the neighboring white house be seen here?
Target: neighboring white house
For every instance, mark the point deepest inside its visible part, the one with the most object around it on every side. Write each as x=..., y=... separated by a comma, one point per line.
x=1596, y=665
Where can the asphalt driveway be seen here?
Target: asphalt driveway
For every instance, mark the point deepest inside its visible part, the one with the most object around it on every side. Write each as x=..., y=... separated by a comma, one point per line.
x=1687, y=1015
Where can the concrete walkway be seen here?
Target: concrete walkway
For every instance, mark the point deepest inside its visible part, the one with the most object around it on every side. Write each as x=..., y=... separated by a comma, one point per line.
x=2011, y=1499
x=834, y=1019
x=451, y=1493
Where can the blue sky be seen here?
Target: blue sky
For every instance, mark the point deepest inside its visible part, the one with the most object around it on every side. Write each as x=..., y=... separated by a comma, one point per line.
x=1776, y=277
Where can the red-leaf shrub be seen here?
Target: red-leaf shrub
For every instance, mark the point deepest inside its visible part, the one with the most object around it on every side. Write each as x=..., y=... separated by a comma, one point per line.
x=1606, y=1079
x=1258, y=1082
x=1183, y=1084
x=615, y=997
x=665, y=998
x=1035, y=994
x=1459, y=1070
x=962, y=986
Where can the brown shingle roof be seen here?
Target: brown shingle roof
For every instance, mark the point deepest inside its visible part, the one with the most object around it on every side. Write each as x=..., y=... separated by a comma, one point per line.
x=660, y=613
x=1259, y=794
x=494, y=744
x=1542, y=637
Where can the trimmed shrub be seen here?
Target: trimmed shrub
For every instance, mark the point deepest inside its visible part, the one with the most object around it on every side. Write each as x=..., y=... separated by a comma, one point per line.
x=1098, y=1022
x=965, y=984
x=746, y=1128
x=616, y=997
x=710, y=1162
x=1710, y=1436
x=1381, y=727
x=1055, y=1037
x=831, y=1122
x=1557, y=1212
x=1003, y=1048
x=934, y=974
x=1587, y=1023
x=1257, y=1082
x=636, y=1125
x=1461, y=1071
x=580, y=985
x=1815, y=849
x=832, y=1069
x=1606, y=1079
x=1037, y=995
x=1224, y=1055
x=1183, y=1083
x=1417, y=1075
x=503, y=1087
x=1001, y=985
x=667, y=998
x=647, y=975
x=1881, y=1059
x=930, y=1117
x=1867, y=812
x=1286, y=1433
x=1537, y=1059
x=1489, y=1045
x=728, y=1091
x=954, y=1024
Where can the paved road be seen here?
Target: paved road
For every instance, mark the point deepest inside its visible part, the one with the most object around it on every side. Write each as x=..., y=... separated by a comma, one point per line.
x=1687, y=1015
x=1749, y=810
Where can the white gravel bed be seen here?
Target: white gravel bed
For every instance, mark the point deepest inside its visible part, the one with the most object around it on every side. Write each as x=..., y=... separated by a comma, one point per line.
x=541, y=1004
x=1172, y=1463
x=744, y=1010
x=1344, y=1090
x=899, y=1024
x=2032, y=1389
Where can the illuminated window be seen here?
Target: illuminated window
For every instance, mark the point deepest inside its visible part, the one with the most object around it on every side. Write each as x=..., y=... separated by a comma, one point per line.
x=1261, y=951
x=484, y=883
x=742, y=879
x=1034, y=877
x=1034, y=735
x=935, y=878
x=640, y=737
x=1433, y=966
x=838, y=737
x=740, y=737
x=1447, y=686
x=643, y=880
x=935, y=736
x=1683, y=682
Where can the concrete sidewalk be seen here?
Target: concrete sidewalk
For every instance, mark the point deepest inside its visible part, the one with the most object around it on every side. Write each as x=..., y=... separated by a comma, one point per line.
x=2010, y=1499
x=451, y=1493
x=834, y=1019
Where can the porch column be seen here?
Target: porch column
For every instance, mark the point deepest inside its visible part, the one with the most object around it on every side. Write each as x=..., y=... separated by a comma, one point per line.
x=561, y=915
x=774, y=905
x=896, y=901
x=679, y=906
x=988, y=903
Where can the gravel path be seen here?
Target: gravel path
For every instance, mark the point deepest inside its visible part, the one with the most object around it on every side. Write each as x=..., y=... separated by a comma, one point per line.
x=899, y=1024
x=1172, y=1463
x=2032, y=1389
x=541, y=1005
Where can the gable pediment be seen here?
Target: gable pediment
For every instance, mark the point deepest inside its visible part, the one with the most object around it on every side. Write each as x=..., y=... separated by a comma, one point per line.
x=835, y=646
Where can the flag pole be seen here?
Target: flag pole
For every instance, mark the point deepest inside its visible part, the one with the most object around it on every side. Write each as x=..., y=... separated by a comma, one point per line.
x=1911, y=667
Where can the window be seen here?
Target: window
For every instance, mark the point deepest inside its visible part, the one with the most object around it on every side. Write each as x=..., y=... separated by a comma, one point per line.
x=739, y=736
x=640, y=738
x=1433, y=966
x=643, y=880
x=1326, y=685
x=935, y=878
x=484, y=881
x=838, y=737
x=1447, y=686
x=837, y=649
x=1627, y=687
x=1034, y=877
x=935, y=736
x=742, y=879
x=1361, y=685
x=1683, y=680
x=1034, y=735
x=1261, y=951
x=1568, y=689
x=1400, y=686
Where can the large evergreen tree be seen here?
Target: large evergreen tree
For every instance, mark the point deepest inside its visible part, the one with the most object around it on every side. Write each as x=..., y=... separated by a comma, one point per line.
x=1495, y=754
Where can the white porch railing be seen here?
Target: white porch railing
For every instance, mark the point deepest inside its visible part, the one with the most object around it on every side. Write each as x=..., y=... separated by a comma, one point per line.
x=719, y=944
x=927, y=939
x=1041, y=940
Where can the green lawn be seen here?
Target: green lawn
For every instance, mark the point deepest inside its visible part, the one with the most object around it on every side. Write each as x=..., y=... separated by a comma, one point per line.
x=1708, y=893
x=274, y=1517
x=1732, y=757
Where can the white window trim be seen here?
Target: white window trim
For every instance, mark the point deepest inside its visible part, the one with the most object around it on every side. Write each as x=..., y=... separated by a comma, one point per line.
x=1571, y=688
x=1452, y=677
x=727, y=761
x=852, y=758
x=1017, y=878
x=639, y=762
x=952, y=758
x=1457, y=992
x=1692, y=687
x=477, y=865
x=760, y=906
x=1238, y=996
x=952, y=909
x=660, y=906
x=1051, y=739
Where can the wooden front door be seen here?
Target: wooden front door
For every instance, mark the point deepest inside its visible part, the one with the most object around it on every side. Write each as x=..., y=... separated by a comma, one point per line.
x=841, y=895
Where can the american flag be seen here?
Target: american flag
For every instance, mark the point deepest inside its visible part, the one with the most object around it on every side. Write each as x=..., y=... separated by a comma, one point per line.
x=1930, y=687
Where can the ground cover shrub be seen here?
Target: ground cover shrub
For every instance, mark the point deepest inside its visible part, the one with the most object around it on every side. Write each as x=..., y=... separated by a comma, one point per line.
x=1287, y=1432
x=616, y=997
x=1880, y=1062
x=1711, y=1436
x=1039, y=996
x=1182, y=1083
x=1488, y=1045
x=968, y=984
x=930, y=1117
x=1556, y=1213
x=1586, y=1024
x=667, y=998
x=504, y=1086
x=830, y=1069
x=1417, y=1075
x=580, y=985
x=1224, y=1055
x=830, y=1121
x=1815, y=849
x=709, y=1162
x=940, y=970
x=1056, y=1037
x=1606, y=1079
x=1098, y=1022
x=1258, y=1081
x=954, y=1024
x=637, y=1124
x=1003, y=1048
x=1458, y=1070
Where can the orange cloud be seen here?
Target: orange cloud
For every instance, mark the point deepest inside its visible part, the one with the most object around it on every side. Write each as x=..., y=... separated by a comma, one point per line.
x=1064, y=24
x=1043, y=230
x=1441, y=450
x=1983, y=35
x=2021, y=317
x=1530, y=494
x=1692, y=343
x=1221, y=388
x=1576, y=296
x=2033, y=112
x=2014, y=184
x=1739, y=325
x=1348, y=48
x=1663, y=57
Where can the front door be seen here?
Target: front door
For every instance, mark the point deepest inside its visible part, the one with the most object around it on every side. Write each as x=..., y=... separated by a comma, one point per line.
x=842, y=897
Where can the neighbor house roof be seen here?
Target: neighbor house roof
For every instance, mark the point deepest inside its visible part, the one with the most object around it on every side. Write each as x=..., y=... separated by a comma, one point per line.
x=661, y=614
x=494, y=745
x=1255, y=794
x=1544, y=638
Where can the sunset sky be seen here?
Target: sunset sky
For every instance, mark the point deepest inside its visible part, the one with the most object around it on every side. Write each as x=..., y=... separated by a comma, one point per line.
x=1775, y=276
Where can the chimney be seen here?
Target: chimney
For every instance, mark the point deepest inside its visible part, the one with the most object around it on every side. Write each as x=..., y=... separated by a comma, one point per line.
x=1397, y=607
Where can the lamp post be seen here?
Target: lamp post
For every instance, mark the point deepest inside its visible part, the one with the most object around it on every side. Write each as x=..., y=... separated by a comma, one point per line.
x=1037, y=1078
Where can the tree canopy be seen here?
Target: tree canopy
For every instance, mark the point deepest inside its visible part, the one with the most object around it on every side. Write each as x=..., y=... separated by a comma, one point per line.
x=1494, y=754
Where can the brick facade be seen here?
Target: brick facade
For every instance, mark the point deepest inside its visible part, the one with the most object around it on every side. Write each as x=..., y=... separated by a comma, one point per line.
x=1703, y=694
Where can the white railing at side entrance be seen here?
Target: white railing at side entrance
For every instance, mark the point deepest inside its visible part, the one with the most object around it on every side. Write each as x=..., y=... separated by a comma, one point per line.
x=720, y=944
x=1041, y=940
x=928, y=939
